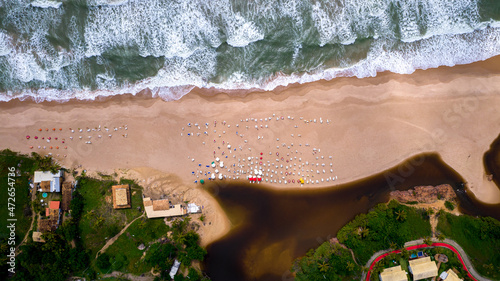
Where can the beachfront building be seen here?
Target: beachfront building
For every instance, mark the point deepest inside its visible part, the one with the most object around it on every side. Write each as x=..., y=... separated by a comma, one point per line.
x=48, y=181
x=192, y=208
x=423, y=268
x=395, y=273
x=67, y=191
x=162, y=208
x=450, y=275
x=121, y=196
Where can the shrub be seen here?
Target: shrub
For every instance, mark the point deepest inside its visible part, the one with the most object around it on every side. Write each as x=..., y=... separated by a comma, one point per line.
x=449, y=205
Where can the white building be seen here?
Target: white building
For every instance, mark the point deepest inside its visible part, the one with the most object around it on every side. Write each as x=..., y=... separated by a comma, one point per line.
x=49, y=182
x=193, y=208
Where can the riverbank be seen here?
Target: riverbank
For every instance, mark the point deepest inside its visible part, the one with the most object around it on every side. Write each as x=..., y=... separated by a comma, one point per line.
x=365, y=125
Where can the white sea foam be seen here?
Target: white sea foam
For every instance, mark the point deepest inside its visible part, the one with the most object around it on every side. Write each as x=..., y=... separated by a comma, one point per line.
x=188, y=33
x=5, y=44
x=46, y=4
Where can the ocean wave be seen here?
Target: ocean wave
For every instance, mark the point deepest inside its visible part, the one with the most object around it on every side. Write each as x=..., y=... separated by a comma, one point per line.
x=111, y=47
x=172, y=84
x=46, y=4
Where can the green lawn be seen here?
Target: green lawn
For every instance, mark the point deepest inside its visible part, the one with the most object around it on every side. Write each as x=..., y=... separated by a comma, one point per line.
x=385, y=224
x=480, y=238
x=328, y=261
x=124, y=252
x=24, y=171
x=100, y=221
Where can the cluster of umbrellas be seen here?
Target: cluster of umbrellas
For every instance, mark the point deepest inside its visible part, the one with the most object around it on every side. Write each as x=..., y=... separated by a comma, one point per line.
x=289, y=167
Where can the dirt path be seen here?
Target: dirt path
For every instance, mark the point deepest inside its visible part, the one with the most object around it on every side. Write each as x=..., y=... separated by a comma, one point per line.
x=112, y=240
x=129, y=276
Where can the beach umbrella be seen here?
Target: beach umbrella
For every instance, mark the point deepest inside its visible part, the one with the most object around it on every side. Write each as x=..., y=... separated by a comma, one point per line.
x=202, y=181
x=28, y=137
x=220, y=176
x=216, y=171
x=221, y=164
x=217, y=159
x=213, y=165
x=229, y=146
x=213, y=176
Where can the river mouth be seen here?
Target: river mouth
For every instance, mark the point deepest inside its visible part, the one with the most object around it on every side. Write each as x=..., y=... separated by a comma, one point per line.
x=272, y=227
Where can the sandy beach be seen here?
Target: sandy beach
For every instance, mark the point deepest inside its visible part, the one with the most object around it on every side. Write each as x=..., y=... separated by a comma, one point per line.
x=325, y=133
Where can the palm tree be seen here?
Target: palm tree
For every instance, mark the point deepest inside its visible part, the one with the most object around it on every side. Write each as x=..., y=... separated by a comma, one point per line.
x=350, y=266
x=392, y=245
x=428, y=241
x=364, y=231
x=364, y=269
x=405, y=253
x=441, y=237
x=323, y=266
x=377, y=268
x=400, y=215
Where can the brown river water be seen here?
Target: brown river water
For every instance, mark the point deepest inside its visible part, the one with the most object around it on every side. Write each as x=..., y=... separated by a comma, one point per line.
x=272, y=227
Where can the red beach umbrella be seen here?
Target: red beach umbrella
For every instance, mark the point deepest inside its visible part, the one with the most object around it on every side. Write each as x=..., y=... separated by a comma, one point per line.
x=27, y=137
x=36, y=137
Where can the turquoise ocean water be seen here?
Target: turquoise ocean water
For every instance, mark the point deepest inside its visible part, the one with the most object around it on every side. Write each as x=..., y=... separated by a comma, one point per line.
x=63, y=49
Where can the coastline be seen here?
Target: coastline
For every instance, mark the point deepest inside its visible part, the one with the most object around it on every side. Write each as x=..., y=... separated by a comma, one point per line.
x=375, y=124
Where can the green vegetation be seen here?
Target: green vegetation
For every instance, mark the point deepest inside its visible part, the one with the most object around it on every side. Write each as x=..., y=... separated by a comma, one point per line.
x=124, y=251
x=383, y=227
x=402, y=260
x=24, y=167
x=412, y=203
x=181, y=243
x=328, y=262
x=99, y=220
x=479, y=237
x=61, y=255
x=387, y=226
x=449, y=205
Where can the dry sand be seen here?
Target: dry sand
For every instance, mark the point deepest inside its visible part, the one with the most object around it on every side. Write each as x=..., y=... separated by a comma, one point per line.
x=368, y=125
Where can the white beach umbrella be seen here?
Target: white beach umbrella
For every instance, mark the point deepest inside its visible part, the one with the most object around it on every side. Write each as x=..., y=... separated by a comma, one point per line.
x=217, y=159
x=213, y=176
x=220, y=176
x=216, y=171
x=213, y=165
x=221, y=164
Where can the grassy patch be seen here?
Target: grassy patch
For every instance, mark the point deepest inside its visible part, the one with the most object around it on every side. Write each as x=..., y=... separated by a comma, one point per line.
x=100, y=221
x=124, y=251
x=386, y=226
x=24, y=167
x=449, y=205
x=480, y=238
x=327, y=262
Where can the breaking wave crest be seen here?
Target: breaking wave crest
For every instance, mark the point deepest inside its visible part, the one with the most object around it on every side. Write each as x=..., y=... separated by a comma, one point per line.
x=60, y=50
